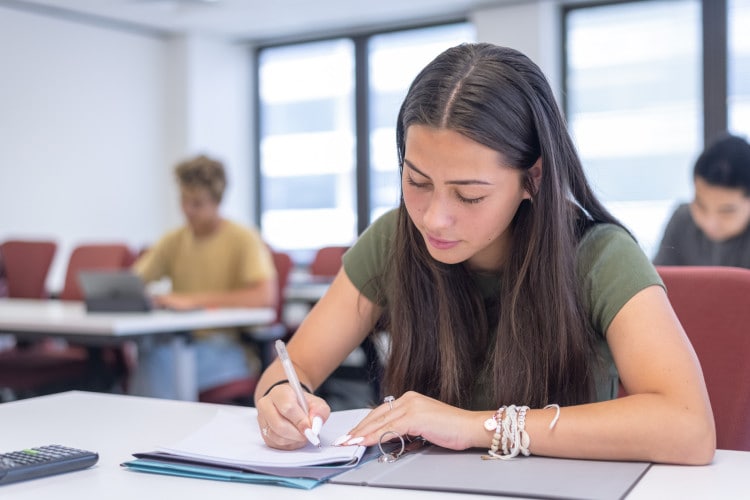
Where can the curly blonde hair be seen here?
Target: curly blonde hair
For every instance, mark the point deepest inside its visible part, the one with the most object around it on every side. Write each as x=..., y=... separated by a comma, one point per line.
x=203, y=172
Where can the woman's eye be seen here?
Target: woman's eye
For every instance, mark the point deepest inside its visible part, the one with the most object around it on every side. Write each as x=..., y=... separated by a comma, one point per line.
x=416, y=184
x=463, y=199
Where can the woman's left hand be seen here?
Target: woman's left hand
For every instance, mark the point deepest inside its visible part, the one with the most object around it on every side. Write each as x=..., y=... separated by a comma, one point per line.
x=414, y=414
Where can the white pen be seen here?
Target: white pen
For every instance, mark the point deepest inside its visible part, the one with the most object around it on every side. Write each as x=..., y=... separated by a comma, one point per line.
x=291, y=375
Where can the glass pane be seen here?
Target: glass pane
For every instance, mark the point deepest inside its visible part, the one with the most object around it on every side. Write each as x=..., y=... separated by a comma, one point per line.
x=394, y=61
x=739, y=66
x=634, y=104
x=307, y=146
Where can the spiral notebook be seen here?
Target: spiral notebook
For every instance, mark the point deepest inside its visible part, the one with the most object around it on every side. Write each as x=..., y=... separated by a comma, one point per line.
x=230, y=447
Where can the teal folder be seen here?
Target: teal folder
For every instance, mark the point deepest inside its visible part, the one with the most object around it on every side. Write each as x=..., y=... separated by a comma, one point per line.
x=229, y=447
x=217, y=473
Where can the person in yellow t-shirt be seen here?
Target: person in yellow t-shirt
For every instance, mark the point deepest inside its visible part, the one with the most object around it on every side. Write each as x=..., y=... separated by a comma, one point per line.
x=211, y=262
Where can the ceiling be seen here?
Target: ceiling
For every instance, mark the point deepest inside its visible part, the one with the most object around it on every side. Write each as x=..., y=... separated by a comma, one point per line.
x=256, y=20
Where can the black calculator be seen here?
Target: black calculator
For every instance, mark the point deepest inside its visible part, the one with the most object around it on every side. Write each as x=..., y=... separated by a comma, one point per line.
x=43, y=461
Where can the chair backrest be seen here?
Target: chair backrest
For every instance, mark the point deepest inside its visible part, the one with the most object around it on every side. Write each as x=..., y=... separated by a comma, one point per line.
x=27, y=263
x=283, y=263
x=3, y=280
x=93, y=257
x=713, y=305
x=327, y=261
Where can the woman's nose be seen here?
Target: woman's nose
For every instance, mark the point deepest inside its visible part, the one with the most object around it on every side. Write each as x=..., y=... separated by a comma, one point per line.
x=437, y=215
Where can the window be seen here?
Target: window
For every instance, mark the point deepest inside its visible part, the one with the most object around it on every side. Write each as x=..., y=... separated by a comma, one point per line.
x=634, y=105
x=309, y=141
x=739, y=67
x=394, y=61
x=307, y=167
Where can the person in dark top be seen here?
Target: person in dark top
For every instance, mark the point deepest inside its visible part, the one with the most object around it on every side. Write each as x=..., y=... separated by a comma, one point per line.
x=714, y=229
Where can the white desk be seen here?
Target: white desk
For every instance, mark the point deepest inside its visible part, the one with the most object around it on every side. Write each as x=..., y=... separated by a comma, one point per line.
x=32, y=319
x=117, y=426
x=309, y=291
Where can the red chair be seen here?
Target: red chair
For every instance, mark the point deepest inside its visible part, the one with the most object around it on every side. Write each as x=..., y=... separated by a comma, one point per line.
x=94, y=257
x=241, y=391
x=42, y=368
x=3, y=278
x=35, y=368
x=108, y=365
x=27, y=263
x=712, y=305
x=327, y=261
x=283, y=264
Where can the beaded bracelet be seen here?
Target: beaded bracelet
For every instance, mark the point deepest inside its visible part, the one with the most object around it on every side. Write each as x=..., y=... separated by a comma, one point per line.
x=510, y=433
x=511, y=437
x=495, y=423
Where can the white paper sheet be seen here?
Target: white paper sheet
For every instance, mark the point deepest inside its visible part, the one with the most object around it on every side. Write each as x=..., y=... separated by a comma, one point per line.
x=235, y=438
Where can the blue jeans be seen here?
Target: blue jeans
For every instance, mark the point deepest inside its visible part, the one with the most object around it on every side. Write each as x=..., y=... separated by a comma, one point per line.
x=218, y=358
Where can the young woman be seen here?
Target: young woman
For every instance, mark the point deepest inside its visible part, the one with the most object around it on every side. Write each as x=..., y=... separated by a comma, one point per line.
x=504, y=284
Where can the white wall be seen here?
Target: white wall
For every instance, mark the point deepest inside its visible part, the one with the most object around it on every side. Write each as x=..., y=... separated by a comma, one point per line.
x=209, y=105
x=92, y=120
x=219, y=123
x=532, y=27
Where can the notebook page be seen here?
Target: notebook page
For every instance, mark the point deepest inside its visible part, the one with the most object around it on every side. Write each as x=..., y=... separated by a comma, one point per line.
x=234, y=438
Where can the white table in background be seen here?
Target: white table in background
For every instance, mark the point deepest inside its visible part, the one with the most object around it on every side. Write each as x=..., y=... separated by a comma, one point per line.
x=308, y=290
x=34, y=319
x=117, y=426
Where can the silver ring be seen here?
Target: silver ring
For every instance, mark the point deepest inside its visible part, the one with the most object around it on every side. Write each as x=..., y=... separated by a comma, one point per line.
x=389, y=400
x=390, y=457
x=265, y=430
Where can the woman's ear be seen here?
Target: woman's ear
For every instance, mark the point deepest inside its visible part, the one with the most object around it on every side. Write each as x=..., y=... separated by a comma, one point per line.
x=534, y=178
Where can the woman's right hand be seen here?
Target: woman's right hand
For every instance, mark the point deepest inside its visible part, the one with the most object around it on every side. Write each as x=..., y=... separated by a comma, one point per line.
x=284, y=424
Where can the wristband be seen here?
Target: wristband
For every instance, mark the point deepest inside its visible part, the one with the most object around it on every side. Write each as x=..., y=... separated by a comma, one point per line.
x=285, y=381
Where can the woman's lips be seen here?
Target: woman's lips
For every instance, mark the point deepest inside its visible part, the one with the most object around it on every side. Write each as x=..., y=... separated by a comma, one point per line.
x=441, y=244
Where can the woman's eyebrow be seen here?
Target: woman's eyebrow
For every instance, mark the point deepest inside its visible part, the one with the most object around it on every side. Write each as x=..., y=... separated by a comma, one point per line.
x=413, y=167
x=459, y=182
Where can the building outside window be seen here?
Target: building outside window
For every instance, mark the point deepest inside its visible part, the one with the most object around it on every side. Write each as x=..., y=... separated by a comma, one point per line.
x=307, y=168
x=634, y=106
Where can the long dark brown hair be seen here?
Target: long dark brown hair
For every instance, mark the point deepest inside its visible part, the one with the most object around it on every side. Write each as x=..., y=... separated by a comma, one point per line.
x=537, y=347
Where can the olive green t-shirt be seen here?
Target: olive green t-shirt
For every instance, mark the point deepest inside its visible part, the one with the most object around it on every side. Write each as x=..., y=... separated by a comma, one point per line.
x=611, y=269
